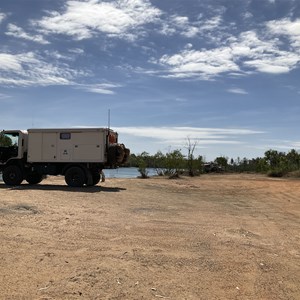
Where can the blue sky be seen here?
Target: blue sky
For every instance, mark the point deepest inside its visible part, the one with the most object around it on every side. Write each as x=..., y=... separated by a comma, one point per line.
x=223, y=73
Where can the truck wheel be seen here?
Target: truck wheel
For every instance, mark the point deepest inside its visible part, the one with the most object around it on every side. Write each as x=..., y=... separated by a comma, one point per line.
x=96, y=178
x=12, y=175
x=75, y=177
x=34, y=178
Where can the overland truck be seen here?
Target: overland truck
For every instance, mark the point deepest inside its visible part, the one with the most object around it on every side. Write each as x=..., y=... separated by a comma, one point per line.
x=79, y=154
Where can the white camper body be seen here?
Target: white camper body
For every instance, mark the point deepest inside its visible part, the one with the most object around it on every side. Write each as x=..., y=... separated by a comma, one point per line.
x=65, y=145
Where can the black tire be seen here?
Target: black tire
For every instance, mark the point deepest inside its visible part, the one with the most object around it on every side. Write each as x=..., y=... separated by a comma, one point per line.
x=96, y=178
x=12, y=175
x=34, y=178
x=75, y=177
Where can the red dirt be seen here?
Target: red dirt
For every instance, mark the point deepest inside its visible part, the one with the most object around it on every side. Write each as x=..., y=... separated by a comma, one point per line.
x=208, y=237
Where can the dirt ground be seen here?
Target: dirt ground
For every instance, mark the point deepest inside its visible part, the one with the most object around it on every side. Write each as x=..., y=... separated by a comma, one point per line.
x=210, y=237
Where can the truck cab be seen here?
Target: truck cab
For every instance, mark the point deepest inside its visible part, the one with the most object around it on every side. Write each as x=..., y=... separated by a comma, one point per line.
x=12, y=145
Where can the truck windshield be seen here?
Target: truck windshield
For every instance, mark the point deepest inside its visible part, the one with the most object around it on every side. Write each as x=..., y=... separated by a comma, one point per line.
x=9, y=139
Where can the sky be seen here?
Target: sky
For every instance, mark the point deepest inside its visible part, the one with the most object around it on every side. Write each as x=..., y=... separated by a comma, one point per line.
x=221, y=74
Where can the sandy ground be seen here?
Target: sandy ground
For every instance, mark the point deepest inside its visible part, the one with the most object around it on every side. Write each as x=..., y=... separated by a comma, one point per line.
x=211, y=237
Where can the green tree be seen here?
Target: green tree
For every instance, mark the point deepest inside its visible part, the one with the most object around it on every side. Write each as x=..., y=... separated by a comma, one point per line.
x=293, y=159
x=222, y=161
x=200, y=163
x=272, y=158
x=260, y=165
x=174, y=163
x=159, y=162
x=277, y=162
x=132, y=161
x=143, y=158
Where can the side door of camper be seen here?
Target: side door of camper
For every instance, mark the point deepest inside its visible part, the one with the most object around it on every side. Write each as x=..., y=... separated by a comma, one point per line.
x=42, y=146
x=49, y=146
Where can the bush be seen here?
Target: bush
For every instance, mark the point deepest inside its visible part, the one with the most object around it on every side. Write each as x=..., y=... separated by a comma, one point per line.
x=174, y=176
x=276, y=173
x=144, y=173
x=142, y=169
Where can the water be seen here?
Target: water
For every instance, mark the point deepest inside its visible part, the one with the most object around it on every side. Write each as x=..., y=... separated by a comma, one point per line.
x=126, y=173
x=121, y=173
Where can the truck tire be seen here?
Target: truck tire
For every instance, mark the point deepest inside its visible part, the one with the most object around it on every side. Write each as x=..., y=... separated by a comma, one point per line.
x=12, y=175
x=75, y=177
x=34, y=178
x=96, y=178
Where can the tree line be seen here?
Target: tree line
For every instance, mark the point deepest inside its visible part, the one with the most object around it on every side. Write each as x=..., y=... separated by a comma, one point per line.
x=274, y=163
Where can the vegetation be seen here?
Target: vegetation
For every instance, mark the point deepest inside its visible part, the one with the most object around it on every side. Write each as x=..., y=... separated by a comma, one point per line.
x=190, y=157
x=174, y=163
x=142, y=165
x=171, y=164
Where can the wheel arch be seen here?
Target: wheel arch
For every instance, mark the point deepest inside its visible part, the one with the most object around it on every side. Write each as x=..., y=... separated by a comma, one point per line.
x=71, y=165
x=15, y=162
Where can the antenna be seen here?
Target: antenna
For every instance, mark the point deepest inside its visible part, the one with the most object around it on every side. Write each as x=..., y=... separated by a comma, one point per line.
x=109, y=118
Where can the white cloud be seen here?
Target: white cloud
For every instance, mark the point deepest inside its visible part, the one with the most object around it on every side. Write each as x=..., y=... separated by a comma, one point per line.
x=214, y=140
x=248, y=51
x=288, y=28
x=57, y=55
x=183, y=25
x=211, y=24
x=77, y=51
x=237, y=91
x=280, y=145
x=100, y=88
x=18, y=32
x=295, y=145
x=47, y=68
x=264, y=55
x=176, y=135
x=83, y=19
x=9, y=62
x=28, y=69
x=176, y=24
x=167, y=29
x=205, y=63
x=4, y=96
x=247, y=15
x=2, y=17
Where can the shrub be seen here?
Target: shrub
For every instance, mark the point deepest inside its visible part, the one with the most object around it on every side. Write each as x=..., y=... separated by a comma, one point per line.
x=142, y=169
x=276, y=172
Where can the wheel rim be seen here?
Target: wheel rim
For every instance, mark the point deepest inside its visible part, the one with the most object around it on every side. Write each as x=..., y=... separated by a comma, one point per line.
x=12, y=175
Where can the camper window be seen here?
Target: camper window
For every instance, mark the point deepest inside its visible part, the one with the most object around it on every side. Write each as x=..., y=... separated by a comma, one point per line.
x=65, y=135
